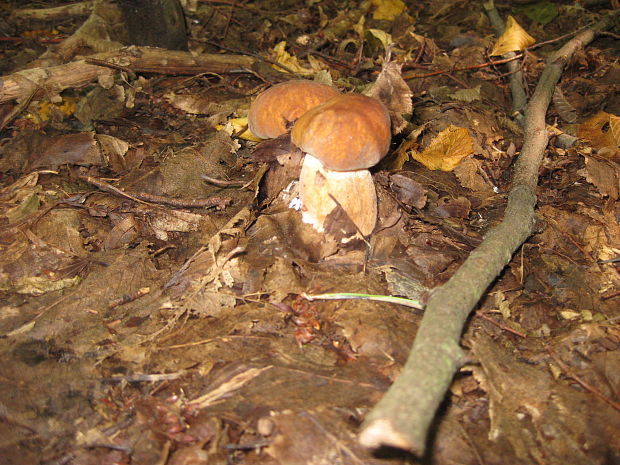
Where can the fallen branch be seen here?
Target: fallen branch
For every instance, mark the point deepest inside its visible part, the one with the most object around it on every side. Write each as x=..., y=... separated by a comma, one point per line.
x=95, y=33
x=403, y=416
x=142, y=197
x=138, y=59
x=54, y=13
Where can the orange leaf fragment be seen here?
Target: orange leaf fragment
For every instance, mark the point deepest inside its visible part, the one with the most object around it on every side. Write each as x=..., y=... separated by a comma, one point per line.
x=602, y=130
x=447, y=149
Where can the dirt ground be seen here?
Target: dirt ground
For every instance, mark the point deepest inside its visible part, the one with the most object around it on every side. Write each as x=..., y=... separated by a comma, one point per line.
x=152, y=271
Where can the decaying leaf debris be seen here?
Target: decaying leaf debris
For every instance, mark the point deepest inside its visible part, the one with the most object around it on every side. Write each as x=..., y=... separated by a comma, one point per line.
x=153, y=260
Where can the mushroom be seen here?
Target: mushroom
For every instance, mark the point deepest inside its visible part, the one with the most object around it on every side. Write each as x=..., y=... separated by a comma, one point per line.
x=272, y=112
x=342, y=138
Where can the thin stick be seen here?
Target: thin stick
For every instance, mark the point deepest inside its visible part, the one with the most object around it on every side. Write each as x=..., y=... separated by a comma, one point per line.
x=499, y=325
x=148, y=199
x=376, y=298
x=222, y=182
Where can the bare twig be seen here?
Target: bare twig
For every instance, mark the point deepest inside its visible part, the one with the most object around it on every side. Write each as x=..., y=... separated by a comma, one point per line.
x=436, y=354
x=499, y=325
x=127, y=298
x=143, y=197
x=408, y=76
x=222, y=182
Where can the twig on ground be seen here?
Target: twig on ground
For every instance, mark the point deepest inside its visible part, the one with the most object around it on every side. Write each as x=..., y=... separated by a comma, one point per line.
x=408, y=76
x=376, y=298
x=222, y=182
x=141, y=197
x=500, y=325
x=436, y=354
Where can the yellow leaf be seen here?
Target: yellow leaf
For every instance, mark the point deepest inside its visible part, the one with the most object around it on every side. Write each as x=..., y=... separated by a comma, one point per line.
x=45, y=108
x=447, y=149
x=514, y=39
x=569, y=314
x=387, y=9
x=382, y=36
x=289, y=61
x=359, y=26
x=234, y=125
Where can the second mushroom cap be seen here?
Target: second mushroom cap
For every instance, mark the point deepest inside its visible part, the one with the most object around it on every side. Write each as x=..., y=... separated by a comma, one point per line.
x=348, y=132
x=274, y=109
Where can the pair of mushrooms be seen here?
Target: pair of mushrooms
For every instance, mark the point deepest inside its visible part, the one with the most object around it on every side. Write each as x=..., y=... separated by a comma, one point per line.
x=342, y=135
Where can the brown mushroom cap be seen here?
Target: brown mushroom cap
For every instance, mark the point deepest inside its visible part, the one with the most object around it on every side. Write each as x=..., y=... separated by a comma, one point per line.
x=273, y=110
x=347, y=133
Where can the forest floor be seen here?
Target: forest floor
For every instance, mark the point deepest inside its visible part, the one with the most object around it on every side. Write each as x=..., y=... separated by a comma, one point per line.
x=150, y=316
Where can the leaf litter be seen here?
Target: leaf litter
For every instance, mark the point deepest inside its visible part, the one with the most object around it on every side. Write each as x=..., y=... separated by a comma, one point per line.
x=143, y=324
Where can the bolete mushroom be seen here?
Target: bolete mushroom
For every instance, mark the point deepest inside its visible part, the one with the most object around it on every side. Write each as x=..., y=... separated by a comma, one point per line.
x=342, y=138
x=272, y=112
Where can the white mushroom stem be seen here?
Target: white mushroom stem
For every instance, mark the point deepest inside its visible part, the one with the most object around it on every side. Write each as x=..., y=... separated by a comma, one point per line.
x=354, y=191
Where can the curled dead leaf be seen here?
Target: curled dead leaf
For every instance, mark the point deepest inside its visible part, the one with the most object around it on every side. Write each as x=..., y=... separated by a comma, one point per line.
x=514, y=39
x=392, y=90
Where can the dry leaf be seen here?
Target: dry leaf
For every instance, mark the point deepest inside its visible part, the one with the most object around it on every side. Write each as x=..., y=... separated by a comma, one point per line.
x=514, y=39
x=447, y=149
x=602, y=130
x=605, y=175
x=392, y=90
x=408, y=191
x=466, y=95
x=26, y=207
x=566, y=111
x=234, y=125
x=381, y=36
x=198, y=104
x=166, y=221
x=468, y=175
x=39, y=285
x=70, y=149
x=291, y=62
x=387, y=9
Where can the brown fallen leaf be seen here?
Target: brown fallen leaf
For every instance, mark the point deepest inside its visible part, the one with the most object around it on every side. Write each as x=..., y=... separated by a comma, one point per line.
x=447, y=149
x=392, y=90
x=601, y=130
x=468, y=174
x=605, y=175
x=73, y=149
x=408, y=191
